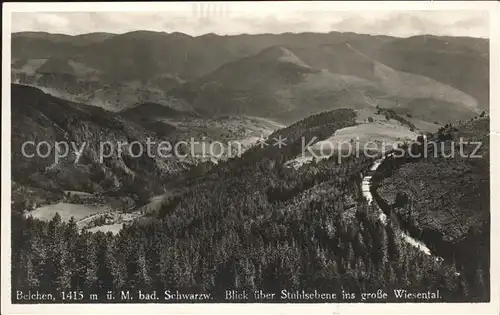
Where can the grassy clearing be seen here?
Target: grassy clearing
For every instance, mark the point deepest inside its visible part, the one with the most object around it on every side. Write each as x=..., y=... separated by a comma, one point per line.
x=66, y=211
x=371, y=128
x=373, y=132
x=424, y=126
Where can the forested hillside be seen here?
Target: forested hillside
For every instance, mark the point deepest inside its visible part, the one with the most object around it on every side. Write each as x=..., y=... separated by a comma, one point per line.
x=444, y=199
x=246, y=223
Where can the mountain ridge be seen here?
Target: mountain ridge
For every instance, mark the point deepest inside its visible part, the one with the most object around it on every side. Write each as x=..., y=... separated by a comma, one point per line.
x=178, y=61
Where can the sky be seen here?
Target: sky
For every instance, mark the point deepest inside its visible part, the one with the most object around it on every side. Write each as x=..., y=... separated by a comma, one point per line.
x=232, y=18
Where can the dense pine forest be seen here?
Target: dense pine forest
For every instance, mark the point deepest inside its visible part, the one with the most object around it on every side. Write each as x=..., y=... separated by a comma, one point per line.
x=248, y=223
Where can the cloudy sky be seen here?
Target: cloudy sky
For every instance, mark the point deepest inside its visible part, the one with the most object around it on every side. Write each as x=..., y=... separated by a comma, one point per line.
x=233, y=18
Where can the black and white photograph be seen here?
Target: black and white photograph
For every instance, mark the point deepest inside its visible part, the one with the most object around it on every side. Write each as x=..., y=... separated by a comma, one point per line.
x=248, y=153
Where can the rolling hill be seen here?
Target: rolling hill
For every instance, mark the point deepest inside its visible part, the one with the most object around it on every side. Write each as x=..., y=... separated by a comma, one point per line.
x=272, y=82
x=276, y=83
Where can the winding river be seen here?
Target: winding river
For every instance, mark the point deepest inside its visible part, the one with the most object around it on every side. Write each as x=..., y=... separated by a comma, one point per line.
x=366, y=188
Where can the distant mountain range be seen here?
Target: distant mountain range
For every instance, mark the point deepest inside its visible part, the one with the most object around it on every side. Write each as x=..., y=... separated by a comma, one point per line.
x=285, y=76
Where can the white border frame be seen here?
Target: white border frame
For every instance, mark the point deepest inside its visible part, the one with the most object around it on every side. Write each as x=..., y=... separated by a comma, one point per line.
x=277, y=308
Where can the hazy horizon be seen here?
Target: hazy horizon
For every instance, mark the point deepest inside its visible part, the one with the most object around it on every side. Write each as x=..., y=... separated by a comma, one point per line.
x=231, y=19
x=229, y=35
